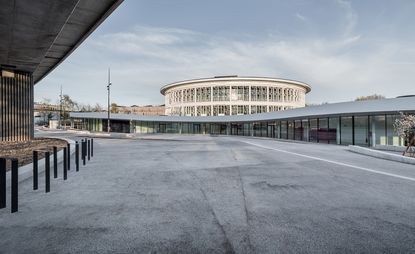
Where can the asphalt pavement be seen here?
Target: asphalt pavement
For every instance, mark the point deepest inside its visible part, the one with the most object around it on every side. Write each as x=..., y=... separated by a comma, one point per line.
x=202, y=194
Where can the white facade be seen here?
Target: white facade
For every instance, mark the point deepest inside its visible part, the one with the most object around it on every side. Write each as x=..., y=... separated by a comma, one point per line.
x=233, y=95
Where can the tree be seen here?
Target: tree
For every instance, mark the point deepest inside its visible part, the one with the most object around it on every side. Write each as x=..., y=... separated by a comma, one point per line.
x=69, y=104
x=114, y=108
x=404, y=125
x=44, y=110
x=97, y=108
x=370, y=97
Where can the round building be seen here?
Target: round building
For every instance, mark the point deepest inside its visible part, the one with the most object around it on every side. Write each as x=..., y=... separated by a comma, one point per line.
x=233, y=95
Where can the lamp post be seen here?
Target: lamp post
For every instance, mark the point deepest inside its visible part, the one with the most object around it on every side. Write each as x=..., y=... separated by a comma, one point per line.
x=60, y=108
x=109, y=105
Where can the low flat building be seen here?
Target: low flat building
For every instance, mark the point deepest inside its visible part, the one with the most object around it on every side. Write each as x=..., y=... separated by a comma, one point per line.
x=364, y=123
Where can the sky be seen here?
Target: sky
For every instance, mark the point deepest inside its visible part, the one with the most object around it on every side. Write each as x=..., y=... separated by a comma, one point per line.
x=342, y=49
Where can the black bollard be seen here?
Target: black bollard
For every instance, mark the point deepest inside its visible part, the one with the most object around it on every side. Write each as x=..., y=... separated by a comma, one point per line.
x=84, y=152
x=65, y=164
x=69, y=156
x=2, y=183
x=47, y=171
x=89, y=150
x=55, y=162
x=92, y=147
x=15, y=185
x=35, y=170
x=82, y=149
x=77, y=156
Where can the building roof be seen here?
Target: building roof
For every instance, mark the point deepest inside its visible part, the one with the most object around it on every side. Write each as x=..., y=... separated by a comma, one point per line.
x=38, y=35
x=237, y=78
x=385, y=106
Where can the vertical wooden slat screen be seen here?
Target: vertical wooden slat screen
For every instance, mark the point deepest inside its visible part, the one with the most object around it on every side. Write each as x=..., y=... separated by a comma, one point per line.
x=16, y=107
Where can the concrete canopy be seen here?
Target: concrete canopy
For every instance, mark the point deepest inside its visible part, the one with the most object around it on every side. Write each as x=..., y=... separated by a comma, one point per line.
x=38, y=35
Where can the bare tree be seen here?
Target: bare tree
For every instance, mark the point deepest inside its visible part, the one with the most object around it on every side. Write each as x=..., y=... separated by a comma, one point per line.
x=114, y=108
x=69, y=104
x=370, y=97
x=97, y=108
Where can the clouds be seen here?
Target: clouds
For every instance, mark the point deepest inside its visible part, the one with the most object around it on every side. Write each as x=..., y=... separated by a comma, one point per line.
x=350, y=17
x=300, y=17
x=338, y=66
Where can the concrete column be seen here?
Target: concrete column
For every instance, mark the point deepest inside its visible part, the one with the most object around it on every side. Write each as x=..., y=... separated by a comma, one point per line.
x=283, y=95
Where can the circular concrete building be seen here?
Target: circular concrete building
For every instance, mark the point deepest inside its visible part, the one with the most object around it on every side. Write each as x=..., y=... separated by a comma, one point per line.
x=233, y=95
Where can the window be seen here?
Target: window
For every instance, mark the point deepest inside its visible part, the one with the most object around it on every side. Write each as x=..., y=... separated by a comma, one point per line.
x=378, y=130
x=221, y=110
x=203, y=94
x=258, y=93
x=361, y=130
x=240, y=109
x=346, y=130
x=203, y=111
x=256, y=109
x=221, y=93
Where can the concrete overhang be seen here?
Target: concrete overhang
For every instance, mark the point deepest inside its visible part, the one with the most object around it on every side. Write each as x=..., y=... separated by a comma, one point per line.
x=38, y=35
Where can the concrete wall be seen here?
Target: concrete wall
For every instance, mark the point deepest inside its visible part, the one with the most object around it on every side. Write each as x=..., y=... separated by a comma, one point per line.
x=16, y=106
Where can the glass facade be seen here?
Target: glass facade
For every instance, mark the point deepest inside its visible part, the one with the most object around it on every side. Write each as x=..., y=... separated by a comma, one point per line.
x=362, y=130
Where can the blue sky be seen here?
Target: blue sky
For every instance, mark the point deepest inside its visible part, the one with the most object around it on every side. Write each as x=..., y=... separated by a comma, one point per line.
x=343, y=49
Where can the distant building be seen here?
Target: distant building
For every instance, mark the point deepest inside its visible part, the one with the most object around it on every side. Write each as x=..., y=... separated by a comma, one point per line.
x=148, y=110
x=233, y=95
x=43, y=113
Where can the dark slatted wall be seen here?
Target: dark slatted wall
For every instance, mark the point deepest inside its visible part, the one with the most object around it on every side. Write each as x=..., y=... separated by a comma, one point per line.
x=16, y=107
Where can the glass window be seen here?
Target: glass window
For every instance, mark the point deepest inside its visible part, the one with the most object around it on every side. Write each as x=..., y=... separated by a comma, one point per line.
x=378, y=130
x=346, y=130
x=298, y=132
x=323, y=135
x=334, y=130
x=290, y=130
x=361, y=130
x=264, y=129
x=247, y=129
x=313, y=134
x=277, y=129
x=305, y=130
x=284, y=129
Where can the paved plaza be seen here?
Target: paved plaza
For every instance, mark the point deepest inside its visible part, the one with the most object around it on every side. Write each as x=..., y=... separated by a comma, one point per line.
x=203, y=194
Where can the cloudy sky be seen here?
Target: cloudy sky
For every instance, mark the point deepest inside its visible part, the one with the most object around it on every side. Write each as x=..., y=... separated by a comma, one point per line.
x=343, y=49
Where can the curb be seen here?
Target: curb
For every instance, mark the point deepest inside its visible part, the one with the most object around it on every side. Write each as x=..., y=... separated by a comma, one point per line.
x=26, y=171
x=390, y=148
x=381, y=155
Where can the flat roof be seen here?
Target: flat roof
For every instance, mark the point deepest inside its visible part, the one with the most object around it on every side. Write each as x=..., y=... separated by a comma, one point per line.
x=38, y=35
x=233, y=78
x=372, y=107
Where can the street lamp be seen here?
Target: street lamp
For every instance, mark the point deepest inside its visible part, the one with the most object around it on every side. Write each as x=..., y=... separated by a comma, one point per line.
x=109, y=91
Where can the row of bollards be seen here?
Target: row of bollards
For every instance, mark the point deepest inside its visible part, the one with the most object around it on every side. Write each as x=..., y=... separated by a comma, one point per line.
x=87, y=150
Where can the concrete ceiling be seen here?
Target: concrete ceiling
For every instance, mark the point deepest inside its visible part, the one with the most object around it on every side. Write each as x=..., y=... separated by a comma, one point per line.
x=36, y=36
